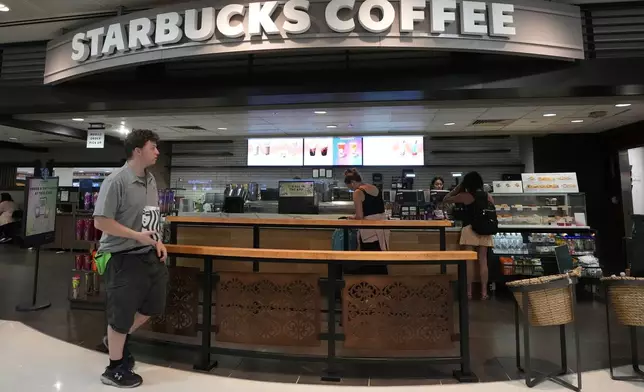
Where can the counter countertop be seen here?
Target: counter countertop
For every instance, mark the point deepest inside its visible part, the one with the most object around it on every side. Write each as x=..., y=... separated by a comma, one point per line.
x=296, y=220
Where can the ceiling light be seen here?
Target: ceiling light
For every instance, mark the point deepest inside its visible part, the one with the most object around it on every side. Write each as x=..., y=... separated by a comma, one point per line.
x=320, y=112
x=122, y=122
x=577, y=121
x=13, y=138
x=448, y=124
x=622, y=105
x=331, y=126
x=222, y=129
x=550, y=115
x=4, y=8
x=78, y=119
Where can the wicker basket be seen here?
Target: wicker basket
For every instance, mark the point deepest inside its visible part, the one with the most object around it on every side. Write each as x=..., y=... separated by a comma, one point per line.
x=626, y=296
x=548, y=305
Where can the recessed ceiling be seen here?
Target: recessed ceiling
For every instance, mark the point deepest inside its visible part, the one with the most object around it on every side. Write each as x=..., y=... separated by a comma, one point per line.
x=437, y=118
x=16, y=135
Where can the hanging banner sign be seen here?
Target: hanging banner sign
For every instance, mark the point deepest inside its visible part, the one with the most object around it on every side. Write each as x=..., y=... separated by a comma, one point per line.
x=95, y=139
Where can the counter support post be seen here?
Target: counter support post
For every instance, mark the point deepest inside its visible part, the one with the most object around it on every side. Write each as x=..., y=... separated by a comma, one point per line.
x=255, y=246
x=204, y=355
x=173, y=240
x=465, y=373
x=443, y=246
x=331, y=373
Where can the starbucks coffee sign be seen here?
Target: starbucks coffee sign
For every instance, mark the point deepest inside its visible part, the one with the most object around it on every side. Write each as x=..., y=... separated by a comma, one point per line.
x=209, y=28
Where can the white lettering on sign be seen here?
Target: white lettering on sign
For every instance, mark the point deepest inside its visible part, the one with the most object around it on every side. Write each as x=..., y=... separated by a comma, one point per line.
x=95, y=139
x=258, y=18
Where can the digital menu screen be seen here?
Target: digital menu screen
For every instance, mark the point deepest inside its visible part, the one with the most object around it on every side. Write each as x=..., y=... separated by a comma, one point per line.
x=275, y=152
x=333, y=151
x=393, y=151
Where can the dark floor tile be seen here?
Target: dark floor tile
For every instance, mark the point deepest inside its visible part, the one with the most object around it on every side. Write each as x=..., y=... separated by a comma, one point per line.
x=344, y=381
x=267, y=370
x=397, y=382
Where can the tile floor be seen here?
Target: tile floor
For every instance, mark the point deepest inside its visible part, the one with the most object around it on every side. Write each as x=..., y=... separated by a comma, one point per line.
x=492, y=339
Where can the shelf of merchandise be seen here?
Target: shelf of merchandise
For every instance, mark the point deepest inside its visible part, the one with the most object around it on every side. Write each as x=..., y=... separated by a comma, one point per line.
x=85, y=301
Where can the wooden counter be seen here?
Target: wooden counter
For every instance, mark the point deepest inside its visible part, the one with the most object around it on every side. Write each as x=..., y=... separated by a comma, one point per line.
x=306, y=232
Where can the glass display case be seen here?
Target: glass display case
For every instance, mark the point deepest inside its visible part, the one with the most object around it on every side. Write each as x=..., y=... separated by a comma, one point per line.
x=543, y=209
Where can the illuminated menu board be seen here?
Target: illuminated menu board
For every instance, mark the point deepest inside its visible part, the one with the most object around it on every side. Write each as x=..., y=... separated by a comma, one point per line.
x=275, y=152
x=393, y=151
x=333, y=151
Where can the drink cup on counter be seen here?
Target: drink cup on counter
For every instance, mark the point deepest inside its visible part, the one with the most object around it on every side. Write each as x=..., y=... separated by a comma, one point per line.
x=80, y=229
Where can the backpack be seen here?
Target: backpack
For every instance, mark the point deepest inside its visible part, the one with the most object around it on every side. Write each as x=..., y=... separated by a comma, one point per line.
x=337, y=239
x=484, y=220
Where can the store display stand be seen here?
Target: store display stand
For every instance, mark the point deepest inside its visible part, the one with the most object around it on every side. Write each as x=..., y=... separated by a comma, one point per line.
x=34, y=307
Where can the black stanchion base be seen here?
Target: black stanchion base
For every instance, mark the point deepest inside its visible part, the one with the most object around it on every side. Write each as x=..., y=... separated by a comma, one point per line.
x=206, y=368
x=32, y=308
x=331, y=376
x=465, y=377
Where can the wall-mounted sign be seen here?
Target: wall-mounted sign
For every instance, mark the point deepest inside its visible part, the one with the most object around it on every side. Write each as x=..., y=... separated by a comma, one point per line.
x=95, y=139
x=296, y=189
x=275, y=152
x=333, y=151
x=530, y=27
x=393, y=151
x=550, y=182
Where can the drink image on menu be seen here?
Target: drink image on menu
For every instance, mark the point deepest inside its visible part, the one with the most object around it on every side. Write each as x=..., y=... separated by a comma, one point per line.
x=312, y=149
x=256, y=149
x=267, y=148
x=152, y=220
x=341, y=150
x=354, y=148
x=324, y=150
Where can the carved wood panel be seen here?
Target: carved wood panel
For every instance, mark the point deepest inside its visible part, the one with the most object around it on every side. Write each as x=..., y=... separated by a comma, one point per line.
x=268, y=309
x=397, y=312
x=181, y=310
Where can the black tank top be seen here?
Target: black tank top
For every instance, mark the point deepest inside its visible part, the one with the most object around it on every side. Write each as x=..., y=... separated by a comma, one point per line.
x=372, y=204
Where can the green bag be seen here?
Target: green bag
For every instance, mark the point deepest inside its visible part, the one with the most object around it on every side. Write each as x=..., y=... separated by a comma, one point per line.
x=101, y=262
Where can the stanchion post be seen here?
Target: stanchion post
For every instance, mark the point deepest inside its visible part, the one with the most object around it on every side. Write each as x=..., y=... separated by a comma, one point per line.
x=465, y=373
x=34, y=293
x=255, y=246
x=331, y=373
x=443, y=246
x=204, y=360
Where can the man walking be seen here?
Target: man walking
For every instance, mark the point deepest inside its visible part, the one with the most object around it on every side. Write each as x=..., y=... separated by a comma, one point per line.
x=130, y=255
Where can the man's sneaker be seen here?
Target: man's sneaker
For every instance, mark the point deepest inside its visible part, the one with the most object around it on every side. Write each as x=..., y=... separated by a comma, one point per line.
x=121, y=377
x=127, y=355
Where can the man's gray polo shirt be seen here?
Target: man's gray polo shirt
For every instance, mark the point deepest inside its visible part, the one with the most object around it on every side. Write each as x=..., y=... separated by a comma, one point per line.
x=123, y=197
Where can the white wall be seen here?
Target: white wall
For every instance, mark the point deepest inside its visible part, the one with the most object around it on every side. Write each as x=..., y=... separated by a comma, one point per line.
x=636, y=160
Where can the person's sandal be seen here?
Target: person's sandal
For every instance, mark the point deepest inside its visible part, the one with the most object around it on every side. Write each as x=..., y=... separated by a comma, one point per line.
x=485, y=297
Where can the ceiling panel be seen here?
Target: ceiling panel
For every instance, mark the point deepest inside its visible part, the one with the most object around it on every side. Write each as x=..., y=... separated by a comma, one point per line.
x=428, y=118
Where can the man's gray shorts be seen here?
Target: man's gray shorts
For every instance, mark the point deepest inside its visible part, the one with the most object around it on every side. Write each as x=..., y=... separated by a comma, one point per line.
x=134, y=283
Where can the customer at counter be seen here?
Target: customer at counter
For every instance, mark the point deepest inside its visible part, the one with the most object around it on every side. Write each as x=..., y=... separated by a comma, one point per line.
x=369, y=205
x=470, y=193
x=437, y=184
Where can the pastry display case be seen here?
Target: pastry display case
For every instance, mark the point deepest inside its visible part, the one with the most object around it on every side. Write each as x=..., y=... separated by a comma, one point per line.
x=541, y=210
